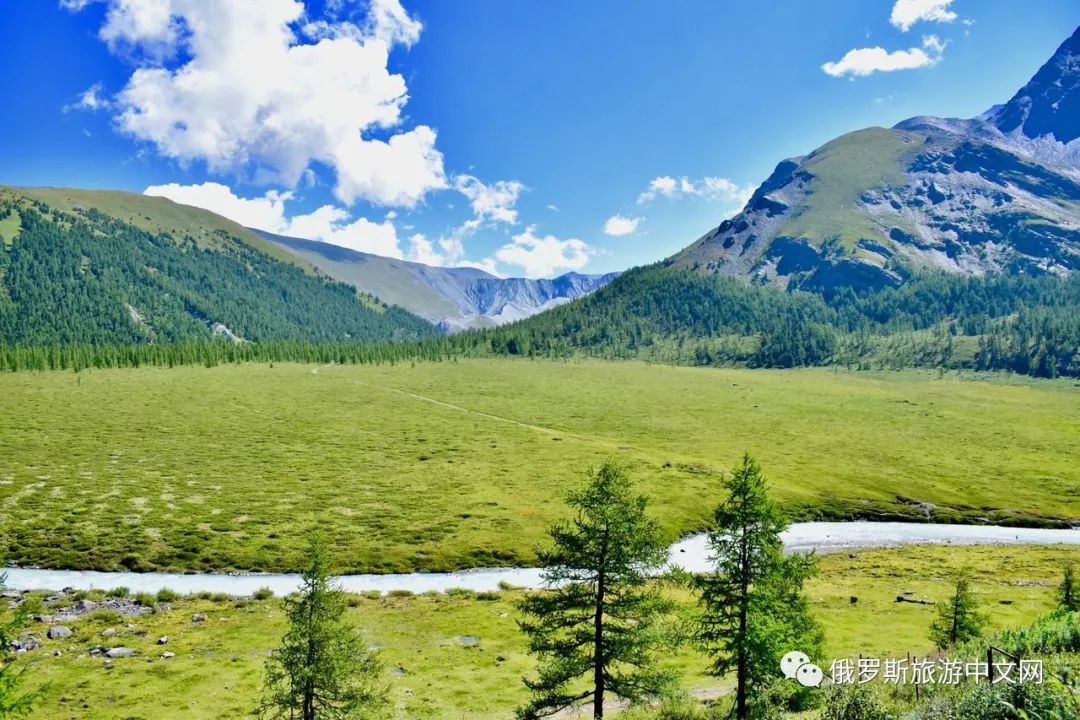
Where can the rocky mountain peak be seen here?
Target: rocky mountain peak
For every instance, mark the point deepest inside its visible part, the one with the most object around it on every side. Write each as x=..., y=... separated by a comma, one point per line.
x=1050, y=103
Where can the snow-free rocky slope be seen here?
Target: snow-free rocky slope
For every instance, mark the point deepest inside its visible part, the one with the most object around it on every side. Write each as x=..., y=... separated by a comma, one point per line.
x=997, y=193
x=454, y=298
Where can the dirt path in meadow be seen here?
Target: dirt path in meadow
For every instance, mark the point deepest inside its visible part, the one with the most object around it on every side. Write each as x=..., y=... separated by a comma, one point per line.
x=499, y=418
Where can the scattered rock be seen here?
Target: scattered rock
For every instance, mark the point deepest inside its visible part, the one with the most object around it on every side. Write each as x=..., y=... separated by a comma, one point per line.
x=57, y=653
x=399, y=671
x=469, y=640
x=854, y=600
x=108, y=632
x=119, y=652
x=166, y=655
x=57, y=632
x=23, y=644
x=198, y=617
x=916, y=601
x=85, y=606
x=47, y=619
x=163, y=640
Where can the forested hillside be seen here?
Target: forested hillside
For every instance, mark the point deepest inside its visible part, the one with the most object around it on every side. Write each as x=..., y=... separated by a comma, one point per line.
x=84, y=277
x=1025, y=324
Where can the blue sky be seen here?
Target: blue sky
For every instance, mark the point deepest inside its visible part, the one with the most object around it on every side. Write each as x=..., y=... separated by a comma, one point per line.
x=529, y=138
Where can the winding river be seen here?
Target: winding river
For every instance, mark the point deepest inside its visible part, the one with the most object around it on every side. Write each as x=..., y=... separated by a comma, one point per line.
x=690, y=553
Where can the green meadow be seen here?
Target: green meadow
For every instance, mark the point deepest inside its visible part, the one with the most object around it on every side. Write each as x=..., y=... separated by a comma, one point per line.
x=457, y=656
x=458, y=464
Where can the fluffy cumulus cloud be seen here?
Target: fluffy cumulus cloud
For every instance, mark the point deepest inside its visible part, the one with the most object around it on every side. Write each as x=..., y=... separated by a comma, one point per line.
x=619, y=225
x=906, y=13
x=495, y=202
x=867, y=61
x=711, y=188
x=543, y=256
x=267, y=212
x=269, y=94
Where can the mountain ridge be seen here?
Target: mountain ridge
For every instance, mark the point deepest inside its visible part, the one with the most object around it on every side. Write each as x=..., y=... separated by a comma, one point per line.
x=116, y=268
x=995, y=193
x=455, y=298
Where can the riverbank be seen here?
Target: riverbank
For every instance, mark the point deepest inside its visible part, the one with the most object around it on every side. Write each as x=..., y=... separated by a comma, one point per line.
x=690, y=554
x=461, y=655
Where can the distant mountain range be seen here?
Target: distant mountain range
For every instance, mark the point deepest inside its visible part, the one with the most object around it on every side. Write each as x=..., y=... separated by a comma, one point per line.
x=997, y=193
x=995, y=196
x=452, y=298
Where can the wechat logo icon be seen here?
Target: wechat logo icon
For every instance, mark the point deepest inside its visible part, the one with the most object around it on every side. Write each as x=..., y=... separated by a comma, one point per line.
x=796, y=666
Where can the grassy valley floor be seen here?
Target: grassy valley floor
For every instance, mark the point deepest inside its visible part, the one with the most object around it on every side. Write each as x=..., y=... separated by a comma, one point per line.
x=454, y=657
x=460, y=464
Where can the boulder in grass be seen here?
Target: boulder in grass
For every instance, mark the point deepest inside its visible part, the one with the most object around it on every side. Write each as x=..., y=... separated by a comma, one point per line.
x=57, y=632
x=119, y=652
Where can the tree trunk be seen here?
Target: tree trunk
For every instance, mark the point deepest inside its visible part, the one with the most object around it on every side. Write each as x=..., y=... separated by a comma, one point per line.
x=744, y=599
x=598, y=643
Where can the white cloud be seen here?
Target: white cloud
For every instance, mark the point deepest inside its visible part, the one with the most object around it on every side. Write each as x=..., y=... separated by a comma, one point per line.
x=663, y=185
x=327, y=223
x=543, y=256
x=331, y=224
x=495, y=202
x=92, y=98
x=265, y=213
x=258, y=94
x=619, y=225
x=906, y=13
x=866, y=61
x=711, y=188
x=422, y=251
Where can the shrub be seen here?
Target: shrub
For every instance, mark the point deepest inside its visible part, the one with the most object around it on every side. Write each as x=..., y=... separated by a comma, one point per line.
x=145, y=599
x=165, y=595
x=854, y=702
x=106, y=617
x=371, y=595
x=682, y=708
x=263, y=593
x=400, y=593
x=33, y=605
x=118, y=592
x=460, y=593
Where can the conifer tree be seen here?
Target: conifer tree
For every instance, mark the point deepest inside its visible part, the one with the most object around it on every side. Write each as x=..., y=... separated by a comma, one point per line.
x=752, y=607
x=599, y=621
x=1068, y=593
x=323, y=669
x=14, y=703
x=958, y=619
